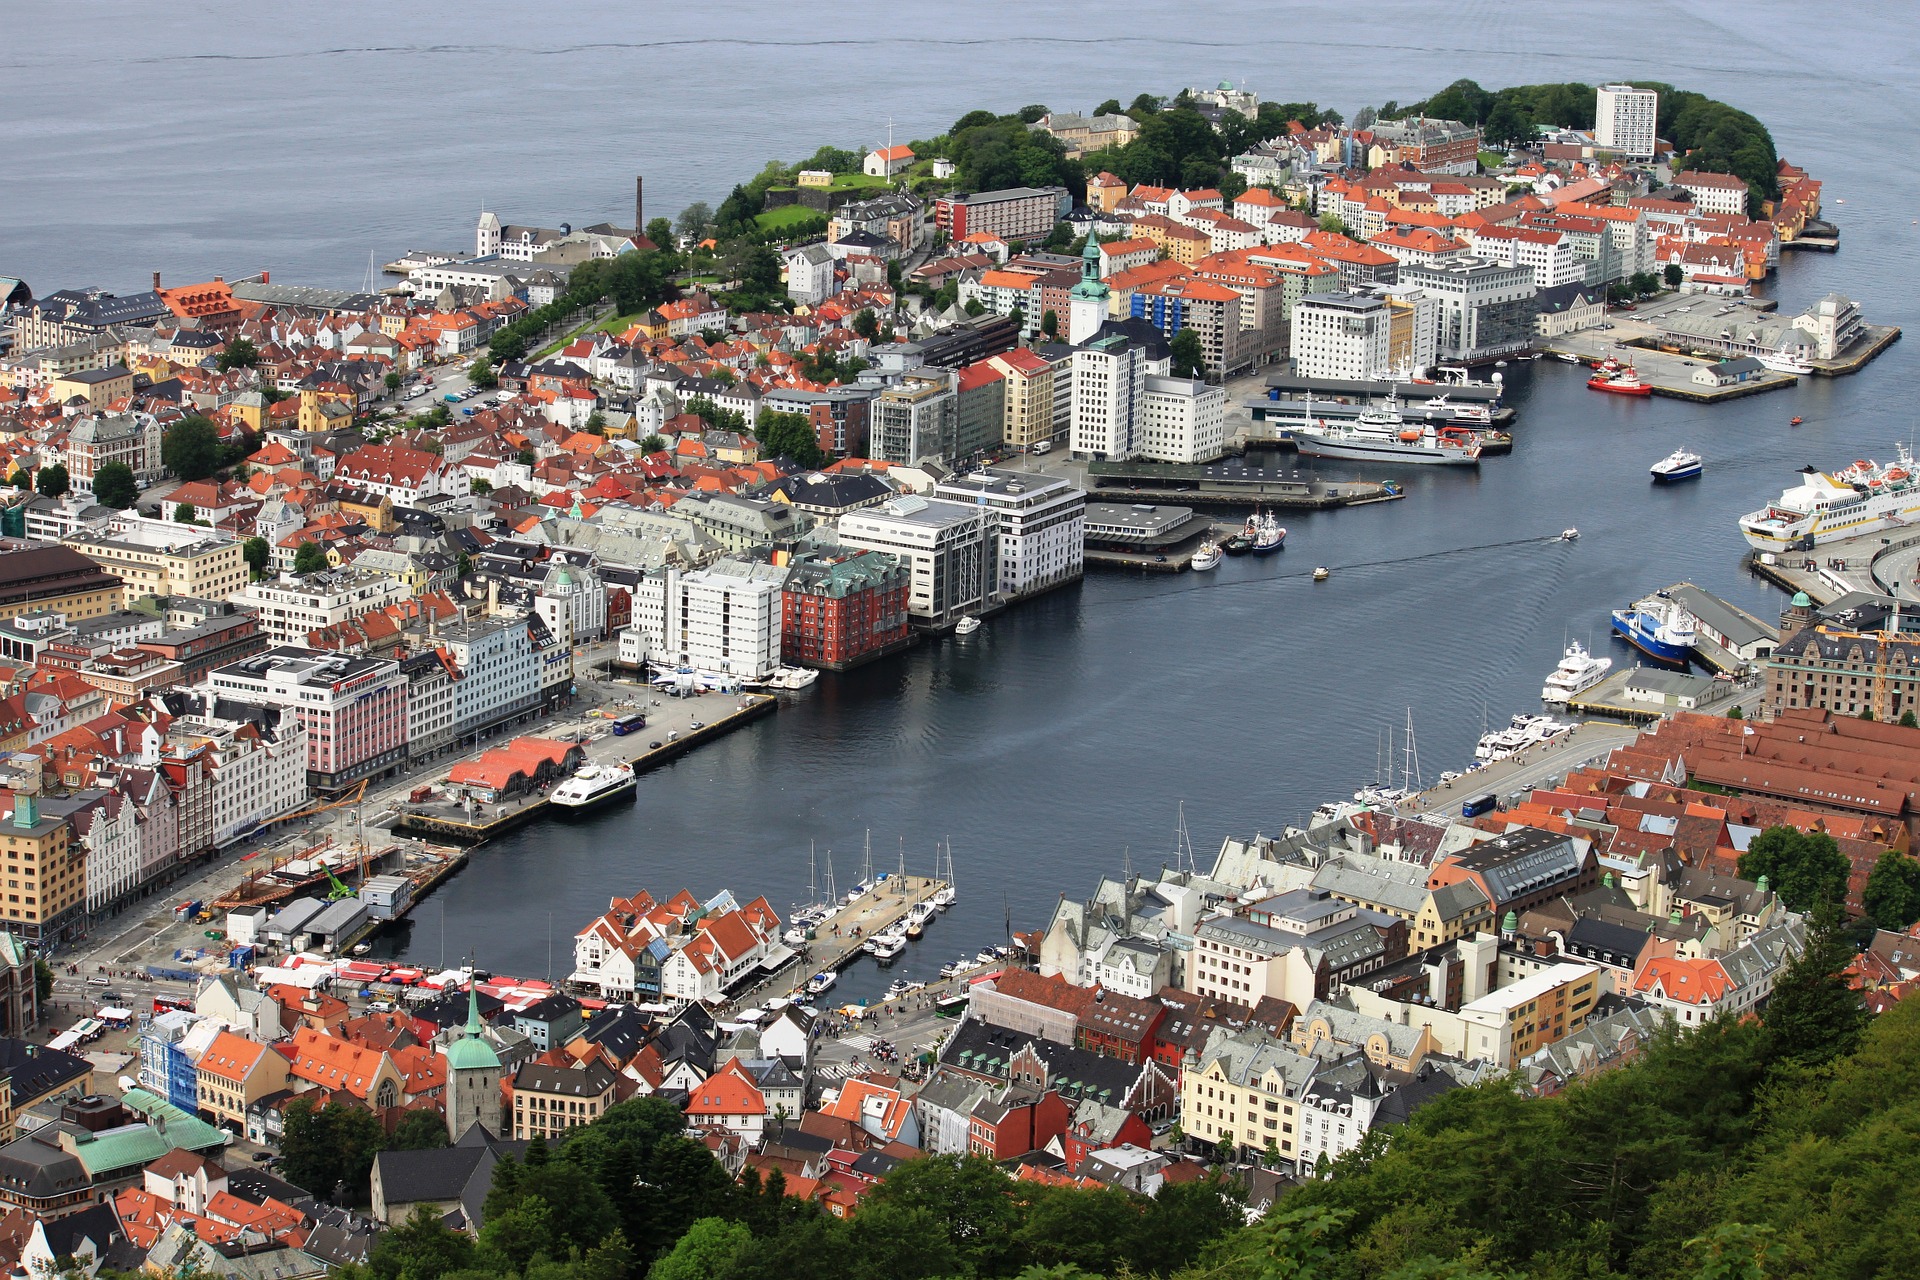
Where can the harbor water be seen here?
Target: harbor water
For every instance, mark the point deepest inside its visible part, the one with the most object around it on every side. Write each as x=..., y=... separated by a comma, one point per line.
x=1057, y=743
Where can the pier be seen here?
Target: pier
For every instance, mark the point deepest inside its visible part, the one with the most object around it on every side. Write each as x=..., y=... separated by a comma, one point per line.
x=1229, y=484
x=469, y=822
x=1878, y=563
x=839, y=939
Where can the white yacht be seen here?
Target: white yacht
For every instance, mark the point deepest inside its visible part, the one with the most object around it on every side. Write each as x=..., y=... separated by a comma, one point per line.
x=1578, y=671
x=1780, y=362
x=1207, y=557
x=966, y=626
x=596, y=784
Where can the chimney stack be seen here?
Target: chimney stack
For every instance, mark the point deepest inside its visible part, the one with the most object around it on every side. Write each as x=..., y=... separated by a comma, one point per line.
x=156, y=282
x=266, y=277
x=639, y=207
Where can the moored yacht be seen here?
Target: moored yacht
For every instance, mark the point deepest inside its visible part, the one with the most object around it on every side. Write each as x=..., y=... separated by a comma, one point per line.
x=1578, y=671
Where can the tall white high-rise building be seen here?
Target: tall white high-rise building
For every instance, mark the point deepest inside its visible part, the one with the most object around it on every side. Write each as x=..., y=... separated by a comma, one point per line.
x=1624, y=120
x=1341, y=335
x=1183, y=420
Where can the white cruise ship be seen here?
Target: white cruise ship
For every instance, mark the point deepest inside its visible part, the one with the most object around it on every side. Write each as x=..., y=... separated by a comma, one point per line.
x=1863, y=498
x=1578, y=671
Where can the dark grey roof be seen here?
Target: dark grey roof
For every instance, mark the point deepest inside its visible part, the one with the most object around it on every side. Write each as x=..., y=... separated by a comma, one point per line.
x=36, y=1167
x=35, y=1070
x=551, y=1009
x=589, y=1080
x=621, y=1030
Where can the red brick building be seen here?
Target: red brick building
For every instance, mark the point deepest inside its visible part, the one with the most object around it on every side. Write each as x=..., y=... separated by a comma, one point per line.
x=843, y=607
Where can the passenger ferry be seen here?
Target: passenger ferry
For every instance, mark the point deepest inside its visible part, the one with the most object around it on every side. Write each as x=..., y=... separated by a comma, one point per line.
x=593, y=786
x=1681, y=464
x=1864, y=498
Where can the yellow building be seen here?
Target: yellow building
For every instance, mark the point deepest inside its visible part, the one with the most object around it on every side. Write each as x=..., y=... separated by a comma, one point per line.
x=1245, y=1092
x=46, y=874
x=161, y=558
x=1506, y=1026
x=251, y=408
x=548, y=1101
x=36, y=577
x=1027, y=417
x=314, y=414
x=233, y=1074
x=98, y=387
x=36, y=1078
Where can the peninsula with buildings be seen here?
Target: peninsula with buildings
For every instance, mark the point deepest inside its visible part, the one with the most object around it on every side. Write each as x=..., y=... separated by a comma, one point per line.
x=305, y=593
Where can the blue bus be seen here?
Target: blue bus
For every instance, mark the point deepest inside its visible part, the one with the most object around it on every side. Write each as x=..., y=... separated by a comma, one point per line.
x=1478, y=805
x=628, y=724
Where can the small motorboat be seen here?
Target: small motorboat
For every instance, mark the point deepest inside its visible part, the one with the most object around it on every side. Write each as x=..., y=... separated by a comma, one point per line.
x=1568, y=357
x=966, y=626
x=1569, y=535
x=1321, y=573
x=1206, y=557
x=1796, y=422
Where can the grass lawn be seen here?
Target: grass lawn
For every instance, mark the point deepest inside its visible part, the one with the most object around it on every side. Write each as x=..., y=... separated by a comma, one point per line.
x=618, y=324
x=857, y=180
x=791, y=215
x=548, y=350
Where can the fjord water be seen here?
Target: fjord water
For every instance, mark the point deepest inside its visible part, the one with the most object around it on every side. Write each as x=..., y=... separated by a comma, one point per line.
x=1061, y=738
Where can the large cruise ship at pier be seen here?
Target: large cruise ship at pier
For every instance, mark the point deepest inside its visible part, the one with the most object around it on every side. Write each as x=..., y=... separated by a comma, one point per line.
x=1863, y=498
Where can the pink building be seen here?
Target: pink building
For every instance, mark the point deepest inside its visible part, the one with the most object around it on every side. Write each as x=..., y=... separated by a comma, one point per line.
x=353, y=708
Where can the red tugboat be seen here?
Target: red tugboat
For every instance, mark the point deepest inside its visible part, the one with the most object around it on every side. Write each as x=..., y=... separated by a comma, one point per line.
x=1625, y=383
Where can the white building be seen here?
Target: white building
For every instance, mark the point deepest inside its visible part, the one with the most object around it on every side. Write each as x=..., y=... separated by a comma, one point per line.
x=353, y=709
x=1624, y=118
x=1714, y=192
x=1548, y=254
x=1341, y=335
x=723, y=621
x=109, y=828
x=1036, y=527
x=502, y=673
x=810, y=274
x=942, y=543
x=1182, y=420
x=290, y=608
x=917, y=417
x=1109, y=380
x=257, y=757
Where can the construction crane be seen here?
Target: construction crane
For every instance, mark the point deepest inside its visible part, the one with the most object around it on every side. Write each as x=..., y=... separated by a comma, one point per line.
x=352, y=797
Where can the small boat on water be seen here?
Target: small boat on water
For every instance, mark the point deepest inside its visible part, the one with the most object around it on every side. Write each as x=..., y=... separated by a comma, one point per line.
x=966, y=626
x=1796, y=422
x=1569, y=535
x=1578, y=671
x=1321, y=573
x=1237, y=545
x=1681, y=464
x=822, y=982
x=594, y=785
x=1658, y=626
x=1207, y=557
x=1567, y=356
x=888, y=946
x=1624, y=383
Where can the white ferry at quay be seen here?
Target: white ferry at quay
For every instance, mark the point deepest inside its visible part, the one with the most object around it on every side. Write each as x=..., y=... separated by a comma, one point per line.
x=1861, y=499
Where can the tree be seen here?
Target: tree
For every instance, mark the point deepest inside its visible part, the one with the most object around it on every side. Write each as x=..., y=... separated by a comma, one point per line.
x=1050, y=324
x=596, y=424
x=704, y=1253
x=184, y=513
x=1189, y=356
x=421, y=1248
x=42, y=981
x=1892, y=895
x=1331, y=222
x=392, y=382
x=331, y=1148
x=527, y=458
x=866, y=324
x=258, y=553
x=480, y=373
x=1644, y=283
x=789, y=435
x=418, y=1131
x=969, y=1196
x=191, y=448
x=1673, y=275
x=463, y=565
x=1735, y=713
x=113, y=486
x=1814, y=1015
x=481, y=485
x=1144, y=104
x=695, y=221
x=20, y=479
x=1111, y=107
x=53, y=481
x=309, y=558
x=660, y=232
x=654, y=443
x=1806, y=869
x=974, y=307
x=238, y=354
x=1908, y=720
x=1232, y=186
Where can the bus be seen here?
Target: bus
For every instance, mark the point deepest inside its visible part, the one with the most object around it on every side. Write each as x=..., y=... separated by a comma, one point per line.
x=1478, y=805
x=169, y=1004
x=629, y=724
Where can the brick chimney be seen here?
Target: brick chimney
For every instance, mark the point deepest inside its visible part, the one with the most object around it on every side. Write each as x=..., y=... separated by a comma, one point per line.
x=639, y=207
x=156, y=282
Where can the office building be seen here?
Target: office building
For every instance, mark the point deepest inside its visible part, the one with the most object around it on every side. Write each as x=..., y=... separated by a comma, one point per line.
x=354, y=709
x=1036, y=527
x=1182, y=420
x=163, y=558
x=943, y=545
x=842, y=606
x=915, y=418
x=723, y=621
x=1485, y=310
x=291, y=608
x=1342, y=335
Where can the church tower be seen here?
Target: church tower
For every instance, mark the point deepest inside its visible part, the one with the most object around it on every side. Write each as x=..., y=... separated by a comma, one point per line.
x=473, y=1075
x=486, y=239
x=1087, y=301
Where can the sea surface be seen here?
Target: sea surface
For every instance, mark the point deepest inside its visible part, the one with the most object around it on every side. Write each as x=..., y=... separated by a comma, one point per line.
x=1060, y=742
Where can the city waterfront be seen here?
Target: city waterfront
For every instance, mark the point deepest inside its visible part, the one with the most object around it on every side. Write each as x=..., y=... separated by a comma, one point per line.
x=1056, y=743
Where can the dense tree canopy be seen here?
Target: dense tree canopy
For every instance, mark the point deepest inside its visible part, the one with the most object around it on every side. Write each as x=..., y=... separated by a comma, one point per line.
x=114, y=486
x=789, y=435
x=1806, y=869
x=1892, y=895
x=191, y=448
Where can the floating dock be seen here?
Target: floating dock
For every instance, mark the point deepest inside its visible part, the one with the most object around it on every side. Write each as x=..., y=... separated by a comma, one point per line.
x=830, y=951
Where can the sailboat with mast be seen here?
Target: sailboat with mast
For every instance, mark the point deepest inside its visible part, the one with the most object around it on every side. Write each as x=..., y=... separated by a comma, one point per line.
x=947, y=894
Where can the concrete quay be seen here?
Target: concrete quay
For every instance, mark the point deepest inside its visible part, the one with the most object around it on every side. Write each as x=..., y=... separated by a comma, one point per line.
x=451, y=820
x=1886, y=563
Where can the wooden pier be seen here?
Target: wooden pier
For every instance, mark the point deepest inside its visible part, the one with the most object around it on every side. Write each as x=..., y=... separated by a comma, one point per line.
x=840, y=937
